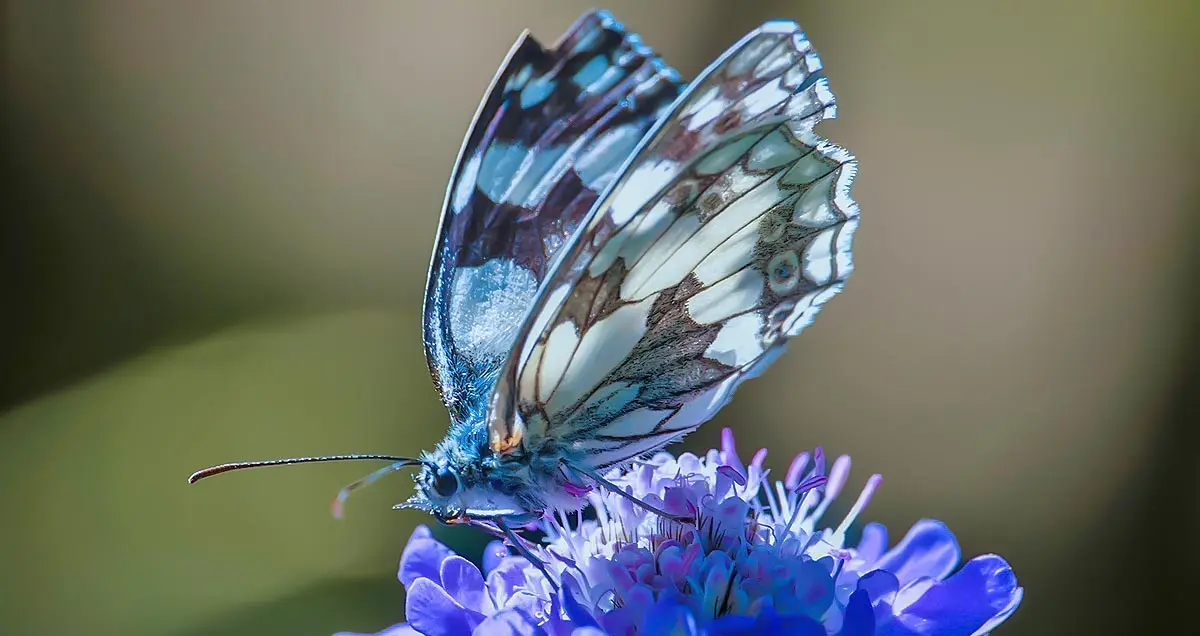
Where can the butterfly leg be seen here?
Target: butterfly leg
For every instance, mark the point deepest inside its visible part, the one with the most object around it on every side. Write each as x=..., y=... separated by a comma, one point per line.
x=519, y=544
x=497, y=530
x=617, y=490
x=490, y=529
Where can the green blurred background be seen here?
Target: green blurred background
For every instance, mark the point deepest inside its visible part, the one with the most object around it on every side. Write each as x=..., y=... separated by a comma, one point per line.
x=216, y=223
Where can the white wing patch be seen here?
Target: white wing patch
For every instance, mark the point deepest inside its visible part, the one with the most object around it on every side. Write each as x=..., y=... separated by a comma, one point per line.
x=726, y=233
x=633, y=423
x=489, y=302
x=738, y=342
x=602, y=348
x=559, y=348
x=734, y=295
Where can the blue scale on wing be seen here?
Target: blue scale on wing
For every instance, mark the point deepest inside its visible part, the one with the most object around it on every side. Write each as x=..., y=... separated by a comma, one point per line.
x=552, y=132
x=727, y=230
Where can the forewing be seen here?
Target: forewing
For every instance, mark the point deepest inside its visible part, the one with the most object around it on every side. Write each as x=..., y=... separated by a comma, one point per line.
x=552, y=132
x=722, y=239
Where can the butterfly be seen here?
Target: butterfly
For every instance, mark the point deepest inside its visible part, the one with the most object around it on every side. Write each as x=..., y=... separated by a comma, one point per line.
x=618, y=251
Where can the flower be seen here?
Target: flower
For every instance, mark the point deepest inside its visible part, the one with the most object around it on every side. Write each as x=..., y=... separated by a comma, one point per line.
x=749, y=557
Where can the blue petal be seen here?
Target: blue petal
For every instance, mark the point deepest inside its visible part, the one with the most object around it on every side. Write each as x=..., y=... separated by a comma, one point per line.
x=575, y=611
x=766, y=624
x=929, y=549
x=881, y=587
x=493, y=554
x=982, y=593
x=732, y=626
x=859, y=618
x=801, y=626
x=422, y=557
x=463, y=582
x=873, y=542
x=669, y=619
x=402, y=629
x=432, y=612
x=504, y=579
x=525, y=602
x=1003, y=614
x=588, y=631
x=509, y=623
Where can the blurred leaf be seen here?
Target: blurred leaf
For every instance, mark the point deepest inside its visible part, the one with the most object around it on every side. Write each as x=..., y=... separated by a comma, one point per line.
x=331, y=606
x=105, y=536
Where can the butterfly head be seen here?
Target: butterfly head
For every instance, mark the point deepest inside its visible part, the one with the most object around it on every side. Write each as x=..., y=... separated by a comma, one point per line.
x=460, y=488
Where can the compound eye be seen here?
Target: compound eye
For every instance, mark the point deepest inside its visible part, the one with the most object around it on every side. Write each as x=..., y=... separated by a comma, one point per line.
x=445, y=483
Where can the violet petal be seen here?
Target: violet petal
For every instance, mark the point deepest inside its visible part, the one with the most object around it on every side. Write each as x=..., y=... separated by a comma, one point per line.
x=432, y=612
x=929, y=549
x=859, y=618
x=422, y=557
x=527, y=603
x=882, y=587
x=766, y=623
x=493, y=554
x=576, y=611
x=505, y=578
x=980, y=594
x=873, y=542
x=464, y=583
x=509, y=623
x=669, y=619
x=402, y=629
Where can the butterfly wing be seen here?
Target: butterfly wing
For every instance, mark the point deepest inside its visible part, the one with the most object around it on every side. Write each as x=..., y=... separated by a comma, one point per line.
x=725, y=234
x=551, y=134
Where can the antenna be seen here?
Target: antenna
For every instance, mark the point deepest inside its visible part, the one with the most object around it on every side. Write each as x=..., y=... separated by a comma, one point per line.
x=224, y=468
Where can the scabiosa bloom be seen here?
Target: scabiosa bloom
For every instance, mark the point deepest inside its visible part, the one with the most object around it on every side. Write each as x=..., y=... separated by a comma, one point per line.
x=751, y=558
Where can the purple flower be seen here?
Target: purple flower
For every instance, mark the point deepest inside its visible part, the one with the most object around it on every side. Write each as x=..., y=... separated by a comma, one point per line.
x=751, y=559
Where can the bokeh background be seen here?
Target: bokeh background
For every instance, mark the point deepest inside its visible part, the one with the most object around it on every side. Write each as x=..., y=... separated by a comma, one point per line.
x=216, y=223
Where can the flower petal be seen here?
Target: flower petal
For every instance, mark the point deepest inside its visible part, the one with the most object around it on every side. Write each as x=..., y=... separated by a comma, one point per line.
x=464, y=583
x=402, y=629
x=493, y=554
x=929, y=549
x=873, y=542
x=432, y=612
x=505, y=578
x=1003, y=614
x=881, y=586
x=422, y=557
x=527, y=603
x=668, y=618
x=982, y=593
x=576, y=611
x=859, y=617
x=509, y=623
x=768, y=622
